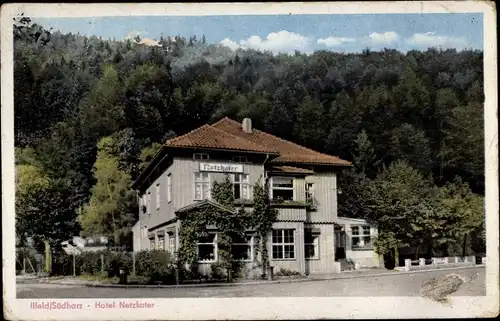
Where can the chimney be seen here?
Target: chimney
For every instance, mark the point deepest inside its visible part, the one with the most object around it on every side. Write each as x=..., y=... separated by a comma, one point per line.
x=247, y=125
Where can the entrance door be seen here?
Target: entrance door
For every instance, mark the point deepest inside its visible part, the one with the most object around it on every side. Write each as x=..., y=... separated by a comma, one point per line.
x=340, y=243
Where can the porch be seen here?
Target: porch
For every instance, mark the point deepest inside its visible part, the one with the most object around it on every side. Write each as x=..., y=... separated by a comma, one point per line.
x=354, y=248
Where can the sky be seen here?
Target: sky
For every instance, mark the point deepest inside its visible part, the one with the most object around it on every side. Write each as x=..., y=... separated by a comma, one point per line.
x=287, y=33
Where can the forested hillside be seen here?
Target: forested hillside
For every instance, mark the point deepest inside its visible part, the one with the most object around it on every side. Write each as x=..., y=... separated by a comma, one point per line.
x=89, y=113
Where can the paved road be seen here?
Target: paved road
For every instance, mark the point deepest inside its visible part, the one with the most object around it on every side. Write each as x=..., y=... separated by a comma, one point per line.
x=397, y=285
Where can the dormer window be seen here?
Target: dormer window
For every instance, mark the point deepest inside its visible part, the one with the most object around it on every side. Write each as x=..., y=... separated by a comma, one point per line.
x=200, y=156
x=282, y=188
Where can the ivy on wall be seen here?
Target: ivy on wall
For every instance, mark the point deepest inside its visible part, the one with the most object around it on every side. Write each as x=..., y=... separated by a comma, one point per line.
x=262, y=219
x=229, y=222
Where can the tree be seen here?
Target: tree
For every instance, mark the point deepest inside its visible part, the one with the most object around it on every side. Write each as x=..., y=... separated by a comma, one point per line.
x=365, y=153
x=412, y=145
x=344, y=117
x=43, y=209
x=147, y=154
x=309, y=126
x=354, y=181
x=392, y=199
x=463, y=143
x=112, y=208
x=463, y=211
x=411, y=97
x=101, y=112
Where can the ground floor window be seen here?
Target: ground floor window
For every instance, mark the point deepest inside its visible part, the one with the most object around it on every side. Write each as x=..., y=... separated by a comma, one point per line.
x=152, y=244
x=311, y=244
x=283, y=244
x=161, y=243
x=207, y=247
x=361, y=237
x=242, y=247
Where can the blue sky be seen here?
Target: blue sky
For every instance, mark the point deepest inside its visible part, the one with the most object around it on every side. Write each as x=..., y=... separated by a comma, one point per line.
x=286, y=33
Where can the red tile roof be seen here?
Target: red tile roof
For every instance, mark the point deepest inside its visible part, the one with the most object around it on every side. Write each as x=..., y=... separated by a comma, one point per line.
x=228, y=134
x=289, y=152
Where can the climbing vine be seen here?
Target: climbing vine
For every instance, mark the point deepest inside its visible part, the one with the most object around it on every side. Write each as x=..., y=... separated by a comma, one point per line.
x=229, y=222
x=263, y=217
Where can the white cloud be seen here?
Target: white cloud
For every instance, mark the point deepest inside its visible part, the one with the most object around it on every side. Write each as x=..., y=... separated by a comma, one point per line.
x=230, y=44
x=277, y=42
x=385, y=38
x=334, y=41
x=430, y=39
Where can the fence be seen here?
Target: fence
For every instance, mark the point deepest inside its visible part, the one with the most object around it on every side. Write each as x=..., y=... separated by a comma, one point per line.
x=438, y=262
x=27, y=262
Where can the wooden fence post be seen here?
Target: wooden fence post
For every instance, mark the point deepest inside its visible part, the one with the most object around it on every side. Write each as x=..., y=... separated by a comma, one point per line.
x=133, y=263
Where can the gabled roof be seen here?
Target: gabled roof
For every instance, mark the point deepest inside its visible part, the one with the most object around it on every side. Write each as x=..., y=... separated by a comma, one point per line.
x=288, y=152
x=227, y=134
x=208, y=136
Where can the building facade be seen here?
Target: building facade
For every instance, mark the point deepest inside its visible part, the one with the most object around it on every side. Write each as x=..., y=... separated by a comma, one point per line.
x=307, y=235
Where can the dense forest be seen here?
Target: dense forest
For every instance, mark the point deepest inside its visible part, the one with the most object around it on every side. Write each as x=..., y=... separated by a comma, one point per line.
x=90, y=113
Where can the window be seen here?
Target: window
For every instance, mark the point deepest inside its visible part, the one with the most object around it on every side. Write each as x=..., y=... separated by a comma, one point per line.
x=158, y=196
x=311, y=242
x=283, y=244
x=282, y=188
x=161, y=243
x=169, y=188
x=242, y=247
x=201, y=186
x=148, y=206
x=207, y=247
x=171, y=244
x=240, y=186
x=200, y=156
x=240, y=159
x=152, y=244
x=310, y=193
x=361, y=237
x=145, y=204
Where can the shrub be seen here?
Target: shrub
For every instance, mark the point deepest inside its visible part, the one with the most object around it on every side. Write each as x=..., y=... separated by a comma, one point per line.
x=91, y=262
x=286, y=272
x=238, y=268
x=217, y=271
x=116, y=261
x=157, y=265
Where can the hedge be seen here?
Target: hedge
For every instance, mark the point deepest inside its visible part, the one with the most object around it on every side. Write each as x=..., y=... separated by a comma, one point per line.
x=154, y=266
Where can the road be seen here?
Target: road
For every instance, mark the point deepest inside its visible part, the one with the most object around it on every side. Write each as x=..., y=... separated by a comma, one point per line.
x=394, y=285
